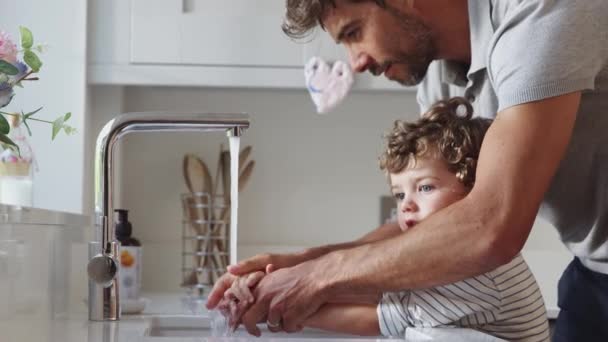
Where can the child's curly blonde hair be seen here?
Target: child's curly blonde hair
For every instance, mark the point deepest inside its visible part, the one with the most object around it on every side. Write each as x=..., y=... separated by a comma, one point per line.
x=455, y=137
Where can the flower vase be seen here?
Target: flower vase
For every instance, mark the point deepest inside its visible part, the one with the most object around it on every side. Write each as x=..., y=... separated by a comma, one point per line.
x=16, y=183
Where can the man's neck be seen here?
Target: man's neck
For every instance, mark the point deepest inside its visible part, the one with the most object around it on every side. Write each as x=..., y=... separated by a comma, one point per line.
x=449, y=20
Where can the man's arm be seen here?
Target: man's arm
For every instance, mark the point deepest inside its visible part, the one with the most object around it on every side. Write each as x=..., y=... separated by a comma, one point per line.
x=519, y=156
x=260, y=261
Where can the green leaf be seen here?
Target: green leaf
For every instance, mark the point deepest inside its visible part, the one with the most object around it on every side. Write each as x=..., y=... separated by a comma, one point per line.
x=8, y=68
x=25, y=117
x=4, y=126
x=69, y=130
x=7, y=142
x=28, y=115
x=27, y=39
x=27, y=126
x=32, y=60
x=57, y=125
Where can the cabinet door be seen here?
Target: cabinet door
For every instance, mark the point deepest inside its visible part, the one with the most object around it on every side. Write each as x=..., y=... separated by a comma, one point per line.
x=209, y=32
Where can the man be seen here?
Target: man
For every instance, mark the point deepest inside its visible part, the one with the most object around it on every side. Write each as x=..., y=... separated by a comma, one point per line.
x=541, y=69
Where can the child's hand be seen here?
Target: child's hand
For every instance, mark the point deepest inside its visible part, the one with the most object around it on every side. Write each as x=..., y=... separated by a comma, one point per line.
x=238, y=297
x=240, y=289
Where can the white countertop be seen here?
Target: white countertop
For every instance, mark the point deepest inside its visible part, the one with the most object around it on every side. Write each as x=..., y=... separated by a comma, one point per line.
x=75, y=327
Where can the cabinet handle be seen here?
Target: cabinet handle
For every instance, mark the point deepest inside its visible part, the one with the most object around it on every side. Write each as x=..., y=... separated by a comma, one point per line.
x=186, y=6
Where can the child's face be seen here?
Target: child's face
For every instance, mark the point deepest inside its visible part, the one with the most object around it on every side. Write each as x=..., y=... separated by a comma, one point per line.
x=424, y=188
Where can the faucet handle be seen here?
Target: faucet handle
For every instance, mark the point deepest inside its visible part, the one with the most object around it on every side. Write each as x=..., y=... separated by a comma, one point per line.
x=102, y=268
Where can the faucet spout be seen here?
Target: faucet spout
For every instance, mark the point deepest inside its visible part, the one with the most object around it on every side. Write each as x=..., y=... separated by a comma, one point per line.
x=103, y=288
x=235, y=132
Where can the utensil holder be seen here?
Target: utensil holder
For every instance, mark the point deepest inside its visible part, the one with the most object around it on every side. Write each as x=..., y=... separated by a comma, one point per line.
x=205, y=241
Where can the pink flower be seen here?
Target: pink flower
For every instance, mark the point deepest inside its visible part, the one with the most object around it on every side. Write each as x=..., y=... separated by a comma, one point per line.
x=8, y=49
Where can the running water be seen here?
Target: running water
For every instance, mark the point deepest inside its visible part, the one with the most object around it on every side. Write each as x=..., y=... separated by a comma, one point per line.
x=218, y=324
x=219, y=318
x=234, y=195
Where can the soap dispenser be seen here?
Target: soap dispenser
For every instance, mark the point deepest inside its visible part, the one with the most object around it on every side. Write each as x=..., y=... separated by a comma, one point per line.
x=130, y=257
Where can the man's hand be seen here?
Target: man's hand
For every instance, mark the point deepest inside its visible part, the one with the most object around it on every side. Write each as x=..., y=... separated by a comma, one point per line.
x=285, y=299
x=261, y=262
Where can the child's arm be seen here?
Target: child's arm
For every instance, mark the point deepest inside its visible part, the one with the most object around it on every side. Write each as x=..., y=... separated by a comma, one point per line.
x=357, y=319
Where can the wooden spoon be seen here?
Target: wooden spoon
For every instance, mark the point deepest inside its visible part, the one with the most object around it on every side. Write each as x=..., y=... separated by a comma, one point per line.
x=226, y=176
x=245, y=175
x=197, y=175
x=243, y=155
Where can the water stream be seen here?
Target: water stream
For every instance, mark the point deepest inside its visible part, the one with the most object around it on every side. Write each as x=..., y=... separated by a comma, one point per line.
x=234, y=195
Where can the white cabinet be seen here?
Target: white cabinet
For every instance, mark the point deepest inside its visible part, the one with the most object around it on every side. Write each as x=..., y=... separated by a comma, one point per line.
x=228, y=43
x=243, y=33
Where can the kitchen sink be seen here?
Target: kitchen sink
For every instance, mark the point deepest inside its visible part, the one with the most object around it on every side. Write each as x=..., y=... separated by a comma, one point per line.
x=201, y=327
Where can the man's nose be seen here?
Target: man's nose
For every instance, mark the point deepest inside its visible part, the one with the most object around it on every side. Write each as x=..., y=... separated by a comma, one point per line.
x=360, y=62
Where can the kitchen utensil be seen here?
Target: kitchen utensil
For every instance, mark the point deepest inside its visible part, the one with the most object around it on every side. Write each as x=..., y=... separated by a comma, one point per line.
x=226, y=176
x=243, y=155
x=196, y=174
x=218, y=170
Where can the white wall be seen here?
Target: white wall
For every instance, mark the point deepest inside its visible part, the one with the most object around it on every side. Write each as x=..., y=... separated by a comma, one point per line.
x=62, y=88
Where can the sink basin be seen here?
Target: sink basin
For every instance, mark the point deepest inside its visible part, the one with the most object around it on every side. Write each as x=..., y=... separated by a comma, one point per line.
x=200, y=326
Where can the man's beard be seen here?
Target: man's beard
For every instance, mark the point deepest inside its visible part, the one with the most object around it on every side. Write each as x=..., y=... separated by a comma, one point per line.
x=415, y=33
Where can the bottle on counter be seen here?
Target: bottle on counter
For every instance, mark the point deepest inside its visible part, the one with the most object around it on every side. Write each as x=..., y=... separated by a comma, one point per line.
x=130, y=256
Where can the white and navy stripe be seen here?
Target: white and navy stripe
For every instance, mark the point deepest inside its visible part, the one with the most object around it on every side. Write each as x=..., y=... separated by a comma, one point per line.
x=505, y=303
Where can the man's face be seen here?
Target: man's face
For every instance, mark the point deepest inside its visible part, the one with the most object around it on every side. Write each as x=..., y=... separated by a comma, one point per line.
x=387, y=40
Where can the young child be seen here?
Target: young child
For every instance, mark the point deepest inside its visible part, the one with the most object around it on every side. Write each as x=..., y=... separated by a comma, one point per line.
x=431, y=164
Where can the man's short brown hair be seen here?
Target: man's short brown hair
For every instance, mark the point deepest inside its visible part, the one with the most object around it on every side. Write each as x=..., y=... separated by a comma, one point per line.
x=301, y=16
x=455, y=137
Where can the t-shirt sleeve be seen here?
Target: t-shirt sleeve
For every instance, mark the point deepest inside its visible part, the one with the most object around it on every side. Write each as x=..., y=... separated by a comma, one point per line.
x=392, y=314
x=544, y=49
x=469, y=302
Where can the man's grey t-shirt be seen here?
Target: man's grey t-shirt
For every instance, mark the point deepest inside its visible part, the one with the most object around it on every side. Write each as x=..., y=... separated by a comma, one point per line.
x=528, y=50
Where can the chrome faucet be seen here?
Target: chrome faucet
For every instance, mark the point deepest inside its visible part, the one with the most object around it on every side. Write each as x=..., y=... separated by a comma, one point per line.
x=104, y=299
